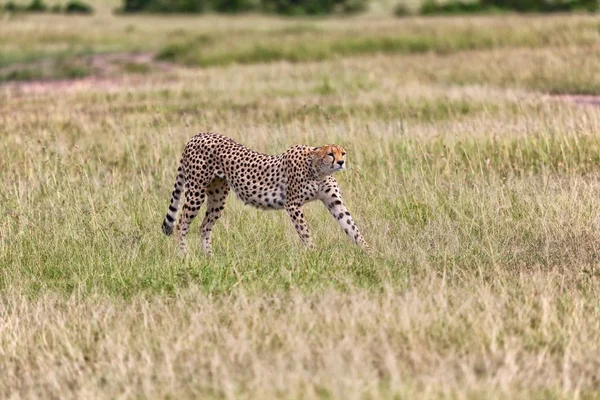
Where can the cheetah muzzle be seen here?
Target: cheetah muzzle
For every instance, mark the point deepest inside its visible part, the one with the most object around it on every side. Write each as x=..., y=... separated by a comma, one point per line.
x=212, y=164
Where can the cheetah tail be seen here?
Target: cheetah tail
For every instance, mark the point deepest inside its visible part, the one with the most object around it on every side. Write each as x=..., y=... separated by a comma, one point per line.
x=167, y=226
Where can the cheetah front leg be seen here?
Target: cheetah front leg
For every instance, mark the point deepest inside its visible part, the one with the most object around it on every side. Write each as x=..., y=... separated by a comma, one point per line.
x=332, y=199
x=294, y=210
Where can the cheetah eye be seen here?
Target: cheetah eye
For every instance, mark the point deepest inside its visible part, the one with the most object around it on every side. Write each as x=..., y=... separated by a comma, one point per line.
x=343, y=154
x=330, y=154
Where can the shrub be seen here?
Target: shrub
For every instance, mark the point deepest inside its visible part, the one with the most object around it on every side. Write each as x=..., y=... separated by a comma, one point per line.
x=166, y=6
x=527, y=5
x=36, y=6
x=401, y=10
x=234, y=6
x=313, y=7
x=542, y=5
x=72, y=7
x=431, y=7
x=354, y=6
x=78, y=7
x=11, y=6
x=285, y=7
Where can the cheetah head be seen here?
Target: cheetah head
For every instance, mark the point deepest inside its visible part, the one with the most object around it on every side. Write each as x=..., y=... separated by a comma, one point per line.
x=329, y=159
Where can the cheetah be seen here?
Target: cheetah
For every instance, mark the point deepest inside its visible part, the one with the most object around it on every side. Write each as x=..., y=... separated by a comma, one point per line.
x=212, y=164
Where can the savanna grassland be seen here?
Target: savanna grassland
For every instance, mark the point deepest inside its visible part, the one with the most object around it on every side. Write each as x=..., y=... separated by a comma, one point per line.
x=476, y=184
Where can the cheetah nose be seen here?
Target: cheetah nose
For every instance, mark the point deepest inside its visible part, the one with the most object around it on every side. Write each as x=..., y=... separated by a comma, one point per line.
x=341, y=162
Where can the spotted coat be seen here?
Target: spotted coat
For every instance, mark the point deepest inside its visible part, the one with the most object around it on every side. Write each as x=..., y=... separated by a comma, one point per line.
x=212, y=164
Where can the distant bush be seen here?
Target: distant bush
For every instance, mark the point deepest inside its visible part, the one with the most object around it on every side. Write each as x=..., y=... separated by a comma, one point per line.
x=432, y=7
x=38, y=6
x=401, y=10
x=542, y=5
x=354, y=6
x=314, y=7
x=78, y=7
x=234, y=6
x=165, y=6
x=284, y=7
x=35, y=6
x=11, y=6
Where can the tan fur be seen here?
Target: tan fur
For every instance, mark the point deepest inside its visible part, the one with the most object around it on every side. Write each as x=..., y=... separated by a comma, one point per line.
x=212, y=164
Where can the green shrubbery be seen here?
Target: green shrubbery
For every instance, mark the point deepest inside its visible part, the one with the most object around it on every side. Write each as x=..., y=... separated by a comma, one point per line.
x=542, y=5
x=78, y=7
x=402, y=10
x=314, y=7
x=165, y=6
x=325, y=7
x=284, y=7
x=234, y=6
x=432, y=7
x=38, y=6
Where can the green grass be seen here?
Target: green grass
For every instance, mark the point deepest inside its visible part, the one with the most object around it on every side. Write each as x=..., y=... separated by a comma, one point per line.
x=302, y=45
x=59, y=70
x=543, y=46
x=477, y=191
x=443, y=185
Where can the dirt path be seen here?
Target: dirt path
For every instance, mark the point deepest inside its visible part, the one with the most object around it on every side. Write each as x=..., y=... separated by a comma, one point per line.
x=586, y=100
x=113, y=71
x=107, y=71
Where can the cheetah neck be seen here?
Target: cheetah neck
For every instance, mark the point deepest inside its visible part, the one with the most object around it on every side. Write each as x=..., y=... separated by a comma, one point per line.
x=313, y=172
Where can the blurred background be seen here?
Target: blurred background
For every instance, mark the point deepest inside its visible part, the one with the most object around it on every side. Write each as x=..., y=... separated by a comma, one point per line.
x=52, y=39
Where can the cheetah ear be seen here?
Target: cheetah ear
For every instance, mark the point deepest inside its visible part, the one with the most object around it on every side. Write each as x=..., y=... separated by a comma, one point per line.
x=323, y=150
x=316, y=155
x=319, y=152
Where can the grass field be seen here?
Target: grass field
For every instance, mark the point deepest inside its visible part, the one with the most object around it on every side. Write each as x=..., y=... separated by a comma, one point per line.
x=477, y=188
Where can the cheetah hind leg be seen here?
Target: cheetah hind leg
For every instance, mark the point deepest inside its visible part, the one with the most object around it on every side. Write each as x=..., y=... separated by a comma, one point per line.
x=193, y=201
x=216, y=195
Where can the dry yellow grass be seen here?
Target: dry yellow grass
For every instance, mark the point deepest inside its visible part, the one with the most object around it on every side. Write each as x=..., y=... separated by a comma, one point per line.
x=478, y=192
x=475, y=339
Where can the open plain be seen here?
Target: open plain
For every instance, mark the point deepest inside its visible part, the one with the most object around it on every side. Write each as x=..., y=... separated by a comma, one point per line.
x=472, y=172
